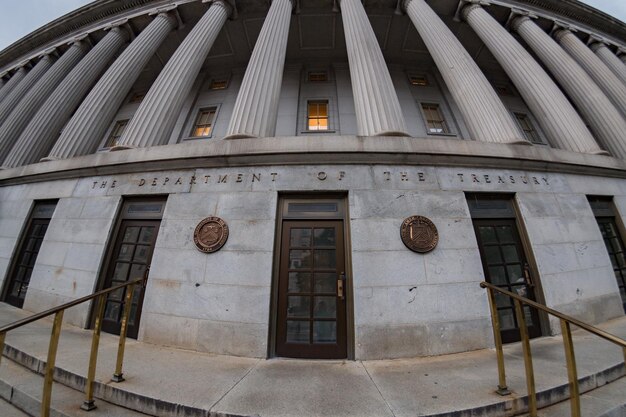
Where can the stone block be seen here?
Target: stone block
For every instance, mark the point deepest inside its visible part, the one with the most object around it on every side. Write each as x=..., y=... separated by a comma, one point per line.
x=574, y=205
x=446, y=266
x=70, y=283
x=50, y=189
x=384, y=268
x=592, y=310
x=496, y=180
x=405, y=178
x=15, y=209
x=233, y=303
x=186, y=265
x=247, y=206
x=84, y=256
x=10, y=227
x=538, y=204
x=250, y=235
x=176, y=234
x=592, y=254
x=252, y=268
x=397, y=204
x=80, y=230
x=69, y=208
x=53, y=253
x=577, y=286
x=556, y=258
x=169, y=330
x=195, y=206
x=228, y=338
x=37, y=300
x=7, y=246
x=100, y=207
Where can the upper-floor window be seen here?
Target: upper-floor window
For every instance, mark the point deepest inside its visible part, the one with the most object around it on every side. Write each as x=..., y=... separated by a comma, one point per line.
x=204, y=122
x=137, y=97
x=527, y=127
x=116, y=133
x=317, y=76
x=218, y=84
x=435, y=122
x=317, y=115
x=419, y=80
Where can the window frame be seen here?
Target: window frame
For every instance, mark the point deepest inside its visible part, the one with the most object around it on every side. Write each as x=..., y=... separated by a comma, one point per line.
x=330, y=127
x=411, y=75
x=116, y=123
x=194, y=123
x=449, y=131
x=531, y=123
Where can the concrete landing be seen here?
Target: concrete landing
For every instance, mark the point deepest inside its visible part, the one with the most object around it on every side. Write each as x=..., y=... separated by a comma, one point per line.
x=172, y=382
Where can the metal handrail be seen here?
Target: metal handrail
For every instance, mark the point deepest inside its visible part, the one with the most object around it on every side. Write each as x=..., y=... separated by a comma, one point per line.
x=568, y=345
x=101, y=295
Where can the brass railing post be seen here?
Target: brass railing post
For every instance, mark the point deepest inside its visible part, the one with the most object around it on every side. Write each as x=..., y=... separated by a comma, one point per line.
x=118, y=376
x=568, y=345
x=497, y=338
x=528, y=359
x=2, y=336
x=52, y=355
x=89, y=404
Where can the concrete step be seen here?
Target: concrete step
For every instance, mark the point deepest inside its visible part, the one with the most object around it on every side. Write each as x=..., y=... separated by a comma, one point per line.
x=606, y=401
x=21, y=389
x=171, y=382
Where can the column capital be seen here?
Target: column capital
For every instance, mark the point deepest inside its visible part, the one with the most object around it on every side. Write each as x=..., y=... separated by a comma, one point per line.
x=54, y=52
x=171, y=12
x=517, y=19
x=82, y=38
x=123, y=27
x=468, y=7
x=229, y=5
x=558, y=33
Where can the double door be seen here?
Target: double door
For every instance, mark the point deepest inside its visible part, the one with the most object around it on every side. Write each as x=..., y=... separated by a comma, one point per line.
x=312, y=290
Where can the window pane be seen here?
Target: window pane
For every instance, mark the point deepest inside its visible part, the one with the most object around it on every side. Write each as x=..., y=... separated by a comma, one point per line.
x=325, y=307
x=299, y=282
x=299, y=259
x=300, y=237
x=298, y=306
x=325, y=332
x=298, y=331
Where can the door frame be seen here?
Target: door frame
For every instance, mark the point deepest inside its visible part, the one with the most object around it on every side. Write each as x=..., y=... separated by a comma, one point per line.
x=527, y=247
x=114, y=233
x=341, y=198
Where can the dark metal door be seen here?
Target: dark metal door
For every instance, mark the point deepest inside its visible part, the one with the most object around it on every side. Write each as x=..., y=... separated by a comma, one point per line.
x=130, y=260
x=615, y=248
x=23, y=269
x=505, y=266
x=311, y=291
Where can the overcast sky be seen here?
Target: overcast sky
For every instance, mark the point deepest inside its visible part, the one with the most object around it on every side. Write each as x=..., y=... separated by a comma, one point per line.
x=18, y=18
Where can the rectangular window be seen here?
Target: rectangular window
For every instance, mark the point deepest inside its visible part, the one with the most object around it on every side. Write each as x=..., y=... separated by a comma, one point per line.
x=116, y=133
x=26, y=256
x=527, y=127
x=137, y=97
x=503, y=90
x=204, y=122
x=317, y=76
x=418, y=80
x=317, y=115
x=435, y=122
x=218, y=84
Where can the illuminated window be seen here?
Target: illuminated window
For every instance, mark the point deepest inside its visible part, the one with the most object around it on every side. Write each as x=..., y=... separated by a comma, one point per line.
x=218, y=84
x=418, y=80
x=527, y=127
x=137, y=97
x=116, y=133
x=317, y=115
x=318, y=76
x=435, y=122
x=204, y=122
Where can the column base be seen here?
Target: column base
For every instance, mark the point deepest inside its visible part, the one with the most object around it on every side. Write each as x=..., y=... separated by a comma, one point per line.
x=393, y=133
x=49, y=158
x=121, y=148
x=239, y=136
x=600, y=152
x=519, y=142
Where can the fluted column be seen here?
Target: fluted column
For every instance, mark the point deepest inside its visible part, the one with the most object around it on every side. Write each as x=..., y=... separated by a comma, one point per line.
x=15, y=79
x=256, y=108
x=86, y=128
x=377, y=107
x=155, y=118
x=12, y=99
x=37, y=95
x=605, y=120
x=484, y=113
x=612, y=86
x=40, y=134
x=610, y=60
x=556, y=116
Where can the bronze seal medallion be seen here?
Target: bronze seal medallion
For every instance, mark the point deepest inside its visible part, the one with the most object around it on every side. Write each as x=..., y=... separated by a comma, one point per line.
x=419, y=234
x=210, y=234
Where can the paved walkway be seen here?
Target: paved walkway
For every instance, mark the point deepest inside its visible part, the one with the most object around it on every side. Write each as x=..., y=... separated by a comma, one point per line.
x=186, y=382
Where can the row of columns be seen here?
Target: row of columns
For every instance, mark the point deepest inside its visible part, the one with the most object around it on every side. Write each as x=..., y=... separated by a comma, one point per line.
x=35, y=106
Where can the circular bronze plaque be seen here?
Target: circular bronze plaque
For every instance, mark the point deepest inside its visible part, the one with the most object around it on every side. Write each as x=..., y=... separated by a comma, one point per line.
x=210, y=234
x=419, y=234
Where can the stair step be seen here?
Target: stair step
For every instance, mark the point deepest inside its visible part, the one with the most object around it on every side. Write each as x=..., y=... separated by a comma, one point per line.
x=21, y=391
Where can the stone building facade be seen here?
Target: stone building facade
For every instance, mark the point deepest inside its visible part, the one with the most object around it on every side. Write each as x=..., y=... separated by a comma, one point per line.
x=312, y=129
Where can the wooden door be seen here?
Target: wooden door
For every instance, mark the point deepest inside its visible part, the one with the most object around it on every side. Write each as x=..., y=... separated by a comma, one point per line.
x=130, y=261
x=505, y=266
x=312, y=290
